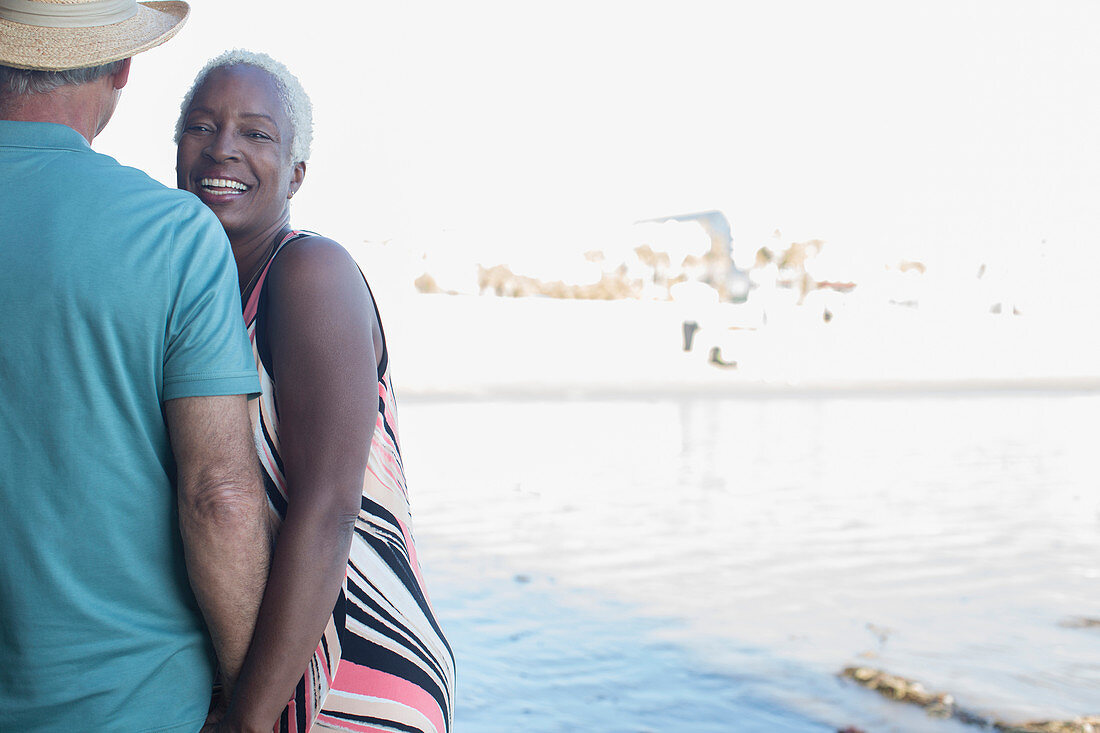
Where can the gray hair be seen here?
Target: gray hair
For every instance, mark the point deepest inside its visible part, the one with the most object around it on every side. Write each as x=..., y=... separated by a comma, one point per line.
x=31, y=81
x=298, y=107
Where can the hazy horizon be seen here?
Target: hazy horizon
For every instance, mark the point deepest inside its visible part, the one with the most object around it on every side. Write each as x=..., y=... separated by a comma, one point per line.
x=952, y=133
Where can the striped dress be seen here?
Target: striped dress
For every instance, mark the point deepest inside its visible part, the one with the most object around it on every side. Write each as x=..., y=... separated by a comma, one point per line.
x=383, y=663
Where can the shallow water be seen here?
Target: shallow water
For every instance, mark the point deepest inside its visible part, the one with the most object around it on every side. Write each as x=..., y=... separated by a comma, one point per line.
x=711, y=564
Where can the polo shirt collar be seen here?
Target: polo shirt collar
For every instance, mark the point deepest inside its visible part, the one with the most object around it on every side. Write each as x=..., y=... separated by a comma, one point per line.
x=41, y=135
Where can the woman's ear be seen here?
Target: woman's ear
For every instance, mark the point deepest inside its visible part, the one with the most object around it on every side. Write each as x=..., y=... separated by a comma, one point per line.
x=296, y=178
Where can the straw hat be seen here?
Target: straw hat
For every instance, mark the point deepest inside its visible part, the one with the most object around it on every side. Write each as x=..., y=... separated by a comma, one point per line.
x=52, y=35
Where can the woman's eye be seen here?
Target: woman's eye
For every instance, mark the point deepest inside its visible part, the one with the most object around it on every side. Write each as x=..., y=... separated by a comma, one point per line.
x=197, y=128
x=259, y=136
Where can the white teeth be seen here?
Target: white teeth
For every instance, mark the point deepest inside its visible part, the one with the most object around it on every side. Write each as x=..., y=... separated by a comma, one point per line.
x=209, y=183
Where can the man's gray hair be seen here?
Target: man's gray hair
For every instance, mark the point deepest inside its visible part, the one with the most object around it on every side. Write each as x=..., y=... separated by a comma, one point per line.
x=299, y=109
x=30, y=81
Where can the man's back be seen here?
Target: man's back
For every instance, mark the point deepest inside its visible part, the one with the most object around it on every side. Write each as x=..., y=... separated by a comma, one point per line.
x=116, y=293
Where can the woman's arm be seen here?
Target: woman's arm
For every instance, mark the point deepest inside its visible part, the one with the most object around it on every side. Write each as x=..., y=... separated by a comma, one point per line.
x=320, y=324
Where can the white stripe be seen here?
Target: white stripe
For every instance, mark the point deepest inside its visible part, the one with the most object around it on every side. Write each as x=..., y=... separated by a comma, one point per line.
x=380, y=707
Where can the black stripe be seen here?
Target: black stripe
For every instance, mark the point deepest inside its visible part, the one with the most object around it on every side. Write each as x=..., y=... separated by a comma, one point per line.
x=391, y=535
x=402, y=569
x=398, y=562
x=384, y=362
x=273, y=494
x=324, y=648
x=300, y=706
x=270, y=442
x=403, y=635
x=388, y=724
x=370, y=506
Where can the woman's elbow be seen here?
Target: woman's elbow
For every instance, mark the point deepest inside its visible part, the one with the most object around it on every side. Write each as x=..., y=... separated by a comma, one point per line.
x=328, y=512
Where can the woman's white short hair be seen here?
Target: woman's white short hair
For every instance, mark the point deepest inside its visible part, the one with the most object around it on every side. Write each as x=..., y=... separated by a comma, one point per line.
x=298, y=107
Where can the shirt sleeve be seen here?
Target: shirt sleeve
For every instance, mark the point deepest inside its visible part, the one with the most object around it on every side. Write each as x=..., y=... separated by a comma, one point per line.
x=207, y=351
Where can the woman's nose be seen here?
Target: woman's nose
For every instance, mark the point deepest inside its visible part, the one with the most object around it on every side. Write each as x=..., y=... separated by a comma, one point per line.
x=221, y=146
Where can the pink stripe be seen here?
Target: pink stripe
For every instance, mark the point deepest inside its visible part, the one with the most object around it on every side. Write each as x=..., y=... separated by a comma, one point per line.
x=387, y=452
x=292, y=717
x=310, y=703
x=323, y=661
x=267, y=458
x=272, y=468
x=389, y=464
x=254, y=298
x=381, y=481
x=381, y=435
x=415, y=564
x=365, y=681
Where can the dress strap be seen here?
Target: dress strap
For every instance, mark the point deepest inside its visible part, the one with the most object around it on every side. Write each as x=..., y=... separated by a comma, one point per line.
x=254, y=297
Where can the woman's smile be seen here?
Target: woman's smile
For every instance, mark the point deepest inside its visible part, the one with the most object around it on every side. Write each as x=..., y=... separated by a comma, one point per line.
x=216, y=190
x=222, y=186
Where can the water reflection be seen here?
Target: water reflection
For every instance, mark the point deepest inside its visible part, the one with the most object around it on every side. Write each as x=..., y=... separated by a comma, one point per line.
x=768, y=541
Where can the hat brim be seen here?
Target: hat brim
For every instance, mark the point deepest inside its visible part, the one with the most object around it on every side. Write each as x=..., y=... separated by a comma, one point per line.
x=57, y=49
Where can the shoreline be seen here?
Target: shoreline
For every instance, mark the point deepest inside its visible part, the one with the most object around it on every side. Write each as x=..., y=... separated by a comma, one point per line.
x=749, y=390
x=464, y=348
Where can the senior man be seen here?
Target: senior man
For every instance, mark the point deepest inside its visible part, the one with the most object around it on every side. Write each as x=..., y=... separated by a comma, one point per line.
x=132, y=517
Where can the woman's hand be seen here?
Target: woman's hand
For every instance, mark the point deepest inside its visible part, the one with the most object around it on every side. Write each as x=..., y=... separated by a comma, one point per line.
x=218, y=705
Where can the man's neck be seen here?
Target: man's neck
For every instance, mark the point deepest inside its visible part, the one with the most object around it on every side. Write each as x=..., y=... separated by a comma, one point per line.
x=77, y=106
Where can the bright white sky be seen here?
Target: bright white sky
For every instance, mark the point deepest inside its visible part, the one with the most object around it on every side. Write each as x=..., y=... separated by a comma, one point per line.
x=953, y=131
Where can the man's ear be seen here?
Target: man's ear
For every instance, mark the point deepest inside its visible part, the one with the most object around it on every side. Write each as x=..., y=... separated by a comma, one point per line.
x=122, y=76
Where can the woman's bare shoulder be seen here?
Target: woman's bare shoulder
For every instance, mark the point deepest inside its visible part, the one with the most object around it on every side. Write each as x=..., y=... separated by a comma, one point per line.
x=312, y=256
x=311, y=277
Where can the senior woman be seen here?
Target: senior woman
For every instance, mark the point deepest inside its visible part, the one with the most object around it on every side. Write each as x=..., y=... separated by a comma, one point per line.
x=346, y=633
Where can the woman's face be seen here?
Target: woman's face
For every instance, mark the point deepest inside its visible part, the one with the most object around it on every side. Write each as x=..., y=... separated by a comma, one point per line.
x=234, y=153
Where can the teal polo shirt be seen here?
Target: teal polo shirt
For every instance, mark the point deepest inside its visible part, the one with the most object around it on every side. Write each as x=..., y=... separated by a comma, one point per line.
x=116, y=294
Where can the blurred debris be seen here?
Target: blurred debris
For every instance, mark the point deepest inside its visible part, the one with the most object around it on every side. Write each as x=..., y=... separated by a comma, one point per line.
x=714, y=356
x=427, y=284
x=644, y=263
x=943, y=705
x=1087, y=724
x=689, y=327
x=715, y=265
x=501, y=281
x=938, y=704
x=882, y=633
x=1080, y=622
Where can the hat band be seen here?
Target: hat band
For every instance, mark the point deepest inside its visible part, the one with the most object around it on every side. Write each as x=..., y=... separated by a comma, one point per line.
x=76, y=15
